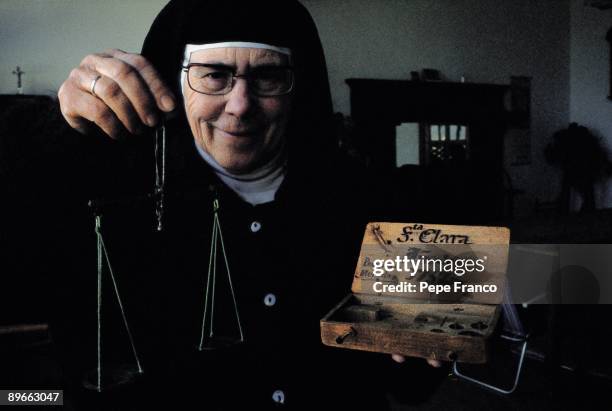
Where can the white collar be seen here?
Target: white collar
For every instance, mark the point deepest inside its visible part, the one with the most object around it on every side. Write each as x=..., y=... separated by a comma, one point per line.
x=257, y=187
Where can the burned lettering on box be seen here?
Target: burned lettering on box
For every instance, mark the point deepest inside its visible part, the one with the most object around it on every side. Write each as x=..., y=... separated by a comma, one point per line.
x=406, y=234
x=435, y=236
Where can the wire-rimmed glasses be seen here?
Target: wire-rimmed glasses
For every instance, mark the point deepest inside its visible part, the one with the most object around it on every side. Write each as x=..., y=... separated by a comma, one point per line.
x=216, y=80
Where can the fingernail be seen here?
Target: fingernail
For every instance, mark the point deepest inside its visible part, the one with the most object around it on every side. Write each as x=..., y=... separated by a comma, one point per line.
x=151, y=120
x=398, y=358
x=167, y=103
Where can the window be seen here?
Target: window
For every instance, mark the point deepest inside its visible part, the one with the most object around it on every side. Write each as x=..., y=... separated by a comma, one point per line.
x=444, y=143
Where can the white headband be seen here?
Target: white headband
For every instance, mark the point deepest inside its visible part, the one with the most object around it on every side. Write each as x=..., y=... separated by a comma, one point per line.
x=190, y=48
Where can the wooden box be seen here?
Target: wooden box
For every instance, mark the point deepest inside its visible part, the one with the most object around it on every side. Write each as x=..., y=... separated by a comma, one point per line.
x=423, y=322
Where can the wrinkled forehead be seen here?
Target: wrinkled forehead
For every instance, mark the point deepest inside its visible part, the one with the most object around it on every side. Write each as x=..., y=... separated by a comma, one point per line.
x=238, y=57
x=237, y=54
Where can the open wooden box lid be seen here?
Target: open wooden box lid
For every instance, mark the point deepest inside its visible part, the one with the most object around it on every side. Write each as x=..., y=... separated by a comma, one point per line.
x=485, y=247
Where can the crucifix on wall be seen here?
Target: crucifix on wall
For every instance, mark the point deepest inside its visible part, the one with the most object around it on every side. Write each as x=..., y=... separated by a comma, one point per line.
x=18, y=72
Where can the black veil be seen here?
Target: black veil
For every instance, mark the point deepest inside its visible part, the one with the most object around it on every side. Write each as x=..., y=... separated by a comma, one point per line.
x=283, y=23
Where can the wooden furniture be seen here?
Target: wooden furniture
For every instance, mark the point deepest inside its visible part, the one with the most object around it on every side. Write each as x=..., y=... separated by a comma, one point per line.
x=20, y=292
x=481, y=194
x=378, y=106
x=10, y=101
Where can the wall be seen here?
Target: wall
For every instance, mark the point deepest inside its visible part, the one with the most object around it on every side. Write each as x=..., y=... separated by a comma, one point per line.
x=589, y=77
x=484, y=40
x=47, y=38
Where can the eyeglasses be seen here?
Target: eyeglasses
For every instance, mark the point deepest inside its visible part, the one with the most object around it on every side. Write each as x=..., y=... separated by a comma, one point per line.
x=268, y=81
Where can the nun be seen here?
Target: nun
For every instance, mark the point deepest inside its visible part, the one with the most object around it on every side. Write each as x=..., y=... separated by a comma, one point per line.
x=253, y=177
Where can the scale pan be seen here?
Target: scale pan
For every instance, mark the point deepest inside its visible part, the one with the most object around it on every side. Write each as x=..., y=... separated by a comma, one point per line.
x=114, y=378
x=219, y=343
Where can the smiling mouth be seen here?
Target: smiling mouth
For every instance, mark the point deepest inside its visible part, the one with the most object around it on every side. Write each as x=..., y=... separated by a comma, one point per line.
x=240, y=133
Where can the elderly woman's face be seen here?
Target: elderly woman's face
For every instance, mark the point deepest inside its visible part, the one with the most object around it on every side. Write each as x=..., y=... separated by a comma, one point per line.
x=239, y=130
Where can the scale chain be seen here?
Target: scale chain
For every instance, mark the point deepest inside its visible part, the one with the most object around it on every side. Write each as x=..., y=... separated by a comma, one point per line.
x=103, y=257
x=216, y=237
x=160, y=173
